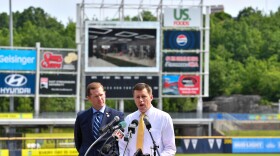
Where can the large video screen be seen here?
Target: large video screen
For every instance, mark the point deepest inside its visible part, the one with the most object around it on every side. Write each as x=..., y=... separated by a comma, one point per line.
x=122, y=46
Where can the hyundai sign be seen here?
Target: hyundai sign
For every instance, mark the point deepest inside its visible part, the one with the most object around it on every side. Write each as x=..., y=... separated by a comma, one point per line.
x=17, y=84
x=12, y=59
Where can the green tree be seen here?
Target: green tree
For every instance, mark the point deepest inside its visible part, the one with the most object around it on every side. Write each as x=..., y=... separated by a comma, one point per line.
x=179, y=104
x=57, y=104
x=4, y=20
x=24, y=104
x=5, y=104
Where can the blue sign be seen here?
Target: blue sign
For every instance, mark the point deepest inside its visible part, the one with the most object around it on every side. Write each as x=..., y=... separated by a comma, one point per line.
x=181, y=40
x=14, y=59
x=194, y=145
x=255, y=145
x=17, y=84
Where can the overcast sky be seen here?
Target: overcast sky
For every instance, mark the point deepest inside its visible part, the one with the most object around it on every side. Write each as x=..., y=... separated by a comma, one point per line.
x=63, y=10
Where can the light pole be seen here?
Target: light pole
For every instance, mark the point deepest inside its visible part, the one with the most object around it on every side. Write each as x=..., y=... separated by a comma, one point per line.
x=11, y=45
x=279, y=106
x=11, y=24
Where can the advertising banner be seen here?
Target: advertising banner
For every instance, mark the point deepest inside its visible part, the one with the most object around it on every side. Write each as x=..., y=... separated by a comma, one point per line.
x=16, y=59
x=16, y=116
x=4, y=152
x=180, y=62
x=211, y=145
x=121, y=86
x=181, y=40
x=58, y=84
x=180, y=85
x=17, y=84
x=113, y=46
x=58, y=60
x=182, y=17
x=255, y=145
x=66, y=140
x=50, y=152
x=227, y=142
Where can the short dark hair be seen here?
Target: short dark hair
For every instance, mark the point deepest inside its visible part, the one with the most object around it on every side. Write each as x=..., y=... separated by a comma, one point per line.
x=141, y=86
x=92, y=86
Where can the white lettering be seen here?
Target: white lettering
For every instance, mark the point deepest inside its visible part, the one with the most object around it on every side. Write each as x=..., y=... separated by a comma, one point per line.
x=16, y=59
x=248, y=145
x=190, y=64
x=15, y=91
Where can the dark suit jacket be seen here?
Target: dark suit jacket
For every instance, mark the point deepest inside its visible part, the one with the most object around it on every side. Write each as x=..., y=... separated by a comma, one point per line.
x=83, y=130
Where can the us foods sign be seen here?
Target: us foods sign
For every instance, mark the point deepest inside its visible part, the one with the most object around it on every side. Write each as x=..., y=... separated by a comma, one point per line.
x=182, y=17
x=17, y=84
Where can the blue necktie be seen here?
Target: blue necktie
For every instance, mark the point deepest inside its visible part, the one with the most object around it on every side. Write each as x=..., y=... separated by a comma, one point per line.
x=96, y=124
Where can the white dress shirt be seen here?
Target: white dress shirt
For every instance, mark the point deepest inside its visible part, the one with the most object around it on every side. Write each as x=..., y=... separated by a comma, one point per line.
x=162, y=131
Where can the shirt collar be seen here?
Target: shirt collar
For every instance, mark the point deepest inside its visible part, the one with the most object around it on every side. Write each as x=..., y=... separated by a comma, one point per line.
x=101, y=110
x=147, y=113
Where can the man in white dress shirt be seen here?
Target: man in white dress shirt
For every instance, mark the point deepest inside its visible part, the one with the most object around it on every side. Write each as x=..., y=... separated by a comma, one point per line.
x=161, y=126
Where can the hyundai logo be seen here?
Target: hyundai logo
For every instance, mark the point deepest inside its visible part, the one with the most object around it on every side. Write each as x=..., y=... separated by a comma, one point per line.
x=15, y=80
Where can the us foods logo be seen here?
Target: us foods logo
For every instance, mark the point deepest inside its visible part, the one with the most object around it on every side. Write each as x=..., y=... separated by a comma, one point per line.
x=15, y=80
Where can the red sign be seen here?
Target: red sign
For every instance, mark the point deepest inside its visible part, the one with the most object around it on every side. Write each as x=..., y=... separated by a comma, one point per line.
x=189, y=85
x=181, y=85
x=51, y=60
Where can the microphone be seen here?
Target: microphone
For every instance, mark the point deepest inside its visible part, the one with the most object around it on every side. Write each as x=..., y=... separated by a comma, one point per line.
x=147, y=123
x=118, y=134
x=138, y=152
x=119, y=126
x=110, y=147
x=131, y=130
x=149, y=126
x=109, y=125
x=132, y=126
x=106, y=149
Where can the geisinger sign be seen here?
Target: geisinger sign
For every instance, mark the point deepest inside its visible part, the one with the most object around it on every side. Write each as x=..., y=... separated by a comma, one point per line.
x=13, y=59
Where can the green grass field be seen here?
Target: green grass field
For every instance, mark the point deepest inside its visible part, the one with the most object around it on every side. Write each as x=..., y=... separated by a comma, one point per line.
x=223, y=154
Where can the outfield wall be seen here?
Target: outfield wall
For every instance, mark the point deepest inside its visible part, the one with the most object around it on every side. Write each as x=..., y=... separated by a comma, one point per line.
x=201, y=144
x=229, y=145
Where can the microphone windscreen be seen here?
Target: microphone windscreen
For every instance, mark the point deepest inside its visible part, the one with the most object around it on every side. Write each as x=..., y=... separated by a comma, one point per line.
x=106, y=149
x=116, y=118
x=109, y=125
x=134, y=122
x=138, y=152
x=122, y=124
x=118, y=134
x=147, y=123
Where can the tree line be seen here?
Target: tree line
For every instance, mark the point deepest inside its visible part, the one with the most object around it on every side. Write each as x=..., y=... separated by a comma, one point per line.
x=244, y=55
